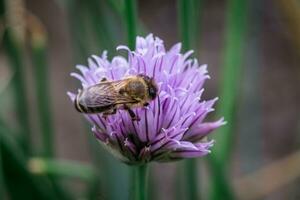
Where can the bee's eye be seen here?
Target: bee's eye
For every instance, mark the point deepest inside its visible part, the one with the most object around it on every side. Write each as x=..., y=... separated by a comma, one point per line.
x=152, y=92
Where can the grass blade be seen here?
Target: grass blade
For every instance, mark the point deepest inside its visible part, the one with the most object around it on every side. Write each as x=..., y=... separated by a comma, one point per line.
x=39, y=59
x=2, y=182
x=233, y=55
x=61, y=168
x=188, y=26
x=20, y=183
x=131, y=22
x=14, y=52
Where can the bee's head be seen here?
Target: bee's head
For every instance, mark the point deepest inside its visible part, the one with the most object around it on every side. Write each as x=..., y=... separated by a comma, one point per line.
x=152, y=87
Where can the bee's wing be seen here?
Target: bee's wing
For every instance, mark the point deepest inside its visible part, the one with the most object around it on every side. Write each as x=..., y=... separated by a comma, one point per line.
x=106, y=94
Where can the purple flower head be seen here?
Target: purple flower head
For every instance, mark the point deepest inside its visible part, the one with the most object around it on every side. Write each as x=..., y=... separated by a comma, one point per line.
x=171, y=127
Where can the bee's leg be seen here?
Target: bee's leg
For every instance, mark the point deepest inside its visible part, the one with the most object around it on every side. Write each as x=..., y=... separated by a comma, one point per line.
x=103, y=79
x=131, y=113
x=110, y=112
x=114, y=111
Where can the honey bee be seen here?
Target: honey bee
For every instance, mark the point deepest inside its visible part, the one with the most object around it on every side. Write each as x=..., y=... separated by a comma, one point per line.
x=107, y=97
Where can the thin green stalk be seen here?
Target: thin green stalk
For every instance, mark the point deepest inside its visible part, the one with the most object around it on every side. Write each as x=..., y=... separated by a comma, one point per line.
x=117, y=6
x=2, y=182
x=93, y=190
x=131, y=21
x=186, y=23
x=196, y=10
x=189, y=12
x=180, y=182
x=85, y=25
x=110, y=170
x=39, y=59
x=43, y=98
x=192, y=186
x=221, y=188
x=101, y=25
x=130, y=14
x=141, y=182
x=233, y=56
x=78, y=31
x=14, y=52
x=38, y=50
x=61, y=168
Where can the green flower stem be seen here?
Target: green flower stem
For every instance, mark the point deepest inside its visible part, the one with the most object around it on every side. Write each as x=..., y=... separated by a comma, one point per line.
x=189, y=23
x=192, y=186
x=39, y=59
x=196, y=10
x=43, y=98
x=2, y=182
x=79, y=31
x=139, y=173
x=61, y=168
x=38, y=44
x=131, y=22
x=187, y=29
x=13, y=49
x=101, y=25
x=117, y=6
x=141, y=182
x=221, y=188
x=233, y=57
x=184, y=22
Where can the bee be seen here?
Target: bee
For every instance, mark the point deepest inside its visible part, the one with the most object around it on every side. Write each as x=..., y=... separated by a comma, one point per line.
x=107, y=97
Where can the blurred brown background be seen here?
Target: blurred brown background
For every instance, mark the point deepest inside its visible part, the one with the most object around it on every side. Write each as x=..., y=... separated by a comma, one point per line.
x=268, y=121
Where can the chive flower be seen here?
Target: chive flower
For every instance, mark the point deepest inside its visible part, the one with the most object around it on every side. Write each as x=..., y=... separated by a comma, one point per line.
x=172, y=126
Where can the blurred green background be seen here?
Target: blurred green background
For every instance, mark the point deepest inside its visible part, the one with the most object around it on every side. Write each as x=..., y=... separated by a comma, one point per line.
x=252, y=50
